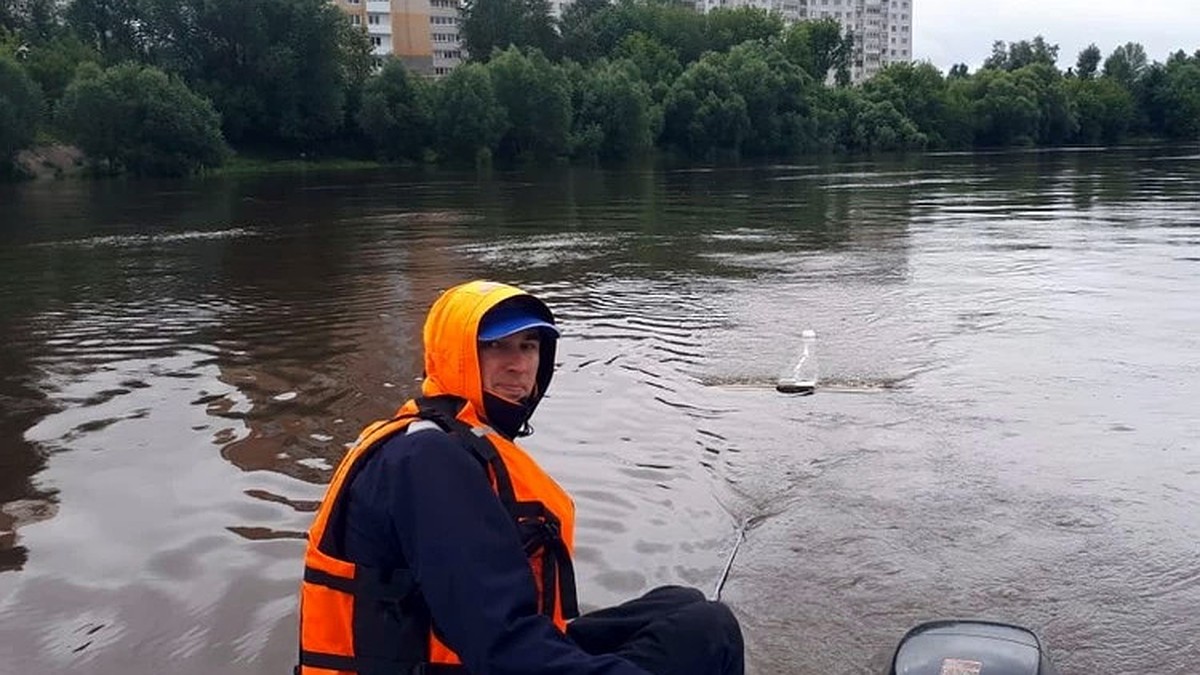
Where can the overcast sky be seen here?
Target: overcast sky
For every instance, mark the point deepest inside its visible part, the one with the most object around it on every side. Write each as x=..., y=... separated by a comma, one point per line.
x=962, y=31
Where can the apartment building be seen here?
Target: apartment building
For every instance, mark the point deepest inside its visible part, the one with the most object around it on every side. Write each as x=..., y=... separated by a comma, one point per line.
x=399, y=28
x=882, y=28
x=882, y=32
x=445, y=19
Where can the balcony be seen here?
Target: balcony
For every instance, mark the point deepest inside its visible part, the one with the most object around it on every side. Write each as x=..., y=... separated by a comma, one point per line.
x=384, y=27
x=374, y=6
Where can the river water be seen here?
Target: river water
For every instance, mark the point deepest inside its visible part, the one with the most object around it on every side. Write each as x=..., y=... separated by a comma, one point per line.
x=1006, y=426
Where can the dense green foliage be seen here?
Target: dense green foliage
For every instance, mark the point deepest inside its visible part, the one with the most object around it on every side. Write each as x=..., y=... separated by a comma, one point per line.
x=138, y=119
x=470, y=121
x=490, y=25
x=20, y=110
x=609, y=81
x=397, y=113
x=278, y=70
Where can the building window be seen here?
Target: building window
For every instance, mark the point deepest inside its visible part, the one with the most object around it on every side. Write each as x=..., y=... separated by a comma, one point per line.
x=376, y=41
x=354, y=2
x=355, y=20
x=373, y=19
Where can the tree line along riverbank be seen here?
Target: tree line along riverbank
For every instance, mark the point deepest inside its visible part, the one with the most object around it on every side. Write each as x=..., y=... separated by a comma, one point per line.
x=172, y=87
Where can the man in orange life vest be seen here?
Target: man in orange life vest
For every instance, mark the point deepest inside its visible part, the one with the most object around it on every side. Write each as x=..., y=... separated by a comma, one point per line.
x=442, y=547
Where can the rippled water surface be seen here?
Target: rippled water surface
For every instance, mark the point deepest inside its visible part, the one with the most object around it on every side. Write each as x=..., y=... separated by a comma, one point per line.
x=1007, y=424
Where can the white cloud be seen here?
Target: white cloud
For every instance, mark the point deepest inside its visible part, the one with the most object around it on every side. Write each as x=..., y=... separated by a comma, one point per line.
x=962, y=31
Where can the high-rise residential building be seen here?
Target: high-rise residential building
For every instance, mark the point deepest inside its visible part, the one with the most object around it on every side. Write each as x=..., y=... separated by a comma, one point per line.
x=445, y=20
x=882, y=35
x=399, y=28
x=882, y=29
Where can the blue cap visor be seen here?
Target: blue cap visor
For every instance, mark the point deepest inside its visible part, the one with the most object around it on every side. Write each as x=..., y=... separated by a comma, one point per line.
x=503, y=326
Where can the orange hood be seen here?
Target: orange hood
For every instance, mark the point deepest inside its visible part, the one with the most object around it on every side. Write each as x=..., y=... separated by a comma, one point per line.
x=451, y=342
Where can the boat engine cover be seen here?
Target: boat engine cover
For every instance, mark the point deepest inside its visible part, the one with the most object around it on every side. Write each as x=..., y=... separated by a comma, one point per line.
x=970, y=648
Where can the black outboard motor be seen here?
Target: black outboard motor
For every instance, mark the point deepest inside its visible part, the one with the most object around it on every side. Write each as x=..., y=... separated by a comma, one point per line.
x=970, y=648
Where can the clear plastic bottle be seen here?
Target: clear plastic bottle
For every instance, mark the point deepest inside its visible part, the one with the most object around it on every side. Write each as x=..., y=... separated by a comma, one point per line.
x=801, y=378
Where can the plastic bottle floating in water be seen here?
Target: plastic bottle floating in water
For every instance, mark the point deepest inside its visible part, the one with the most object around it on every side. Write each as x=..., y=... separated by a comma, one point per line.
x=801, y=378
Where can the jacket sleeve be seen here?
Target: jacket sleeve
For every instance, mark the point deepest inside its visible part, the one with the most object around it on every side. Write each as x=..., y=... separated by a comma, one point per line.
x=468, y=561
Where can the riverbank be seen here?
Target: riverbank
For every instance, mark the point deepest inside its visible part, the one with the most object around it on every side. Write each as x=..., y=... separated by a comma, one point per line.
x=56, y=161
x=52, y=161
x=249, y=165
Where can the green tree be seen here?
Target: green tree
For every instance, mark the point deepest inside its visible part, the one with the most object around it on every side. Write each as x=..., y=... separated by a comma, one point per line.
x=1105, y=110
x=488, y=25
x=9, y=19
x=396, y=112
x=921, y=95
x=1056, y=120
x=958, y=71
x=113, y=27
x=470, y=120
x=778, y=96
x=578, y=28
x=656, y=64
x=1021, y=54
x=704, y=113
x=20, y=110
x=1004, y=109
x=138, y=119
x=819, y=47
x=537, y=101
x=999, y=57
x=1088, y=63
x=277, y=70
x=727, y=28
x=53, y=63
x=862, y=124
x=751, y=100
x=615, y=118
x=1126, y=64
x=880, y=127
x=1180, y=100
x=33, y=20
x=675, y=26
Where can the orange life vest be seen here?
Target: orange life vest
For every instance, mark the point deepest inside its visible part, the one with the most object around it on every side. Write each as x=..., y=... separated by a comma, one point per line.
x=361, y=620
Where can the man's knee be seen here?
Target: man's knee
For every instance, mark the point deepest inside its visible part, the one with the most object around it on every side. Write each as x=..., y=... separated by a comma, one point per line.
x=719, y=620
x=727, y=623
x=679, y=596
x=713, y=630
x=711, y=619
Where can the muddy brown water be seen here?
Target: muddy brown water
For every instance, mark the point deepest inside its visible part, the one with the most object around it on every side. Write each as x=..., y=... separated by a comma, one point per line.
x=1007, y=425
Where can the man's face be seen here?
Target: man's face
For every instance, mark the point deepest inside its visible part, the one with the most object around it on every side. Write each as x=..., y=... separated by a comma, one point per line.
x=509, y=366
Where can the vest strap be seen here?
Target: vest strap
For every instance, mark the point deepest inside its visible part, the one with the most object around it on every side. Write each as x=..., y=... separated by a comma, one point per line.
x=539, y=527
x=444, y=411
x=390, y=585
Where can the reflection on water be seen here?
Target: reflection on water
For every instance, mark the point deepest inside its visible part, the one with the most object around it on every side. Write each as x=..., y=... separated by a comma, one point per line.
x=187, y=361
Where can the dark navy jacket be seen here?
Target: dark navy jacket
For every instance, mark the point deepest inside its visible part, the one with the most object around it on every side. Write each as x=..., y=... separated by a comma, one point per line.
x=424, y=502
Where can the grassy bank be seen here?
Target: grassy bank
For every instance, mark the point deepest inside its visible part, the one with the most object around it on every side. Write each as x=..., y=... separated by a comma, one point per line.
x=242, y=165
